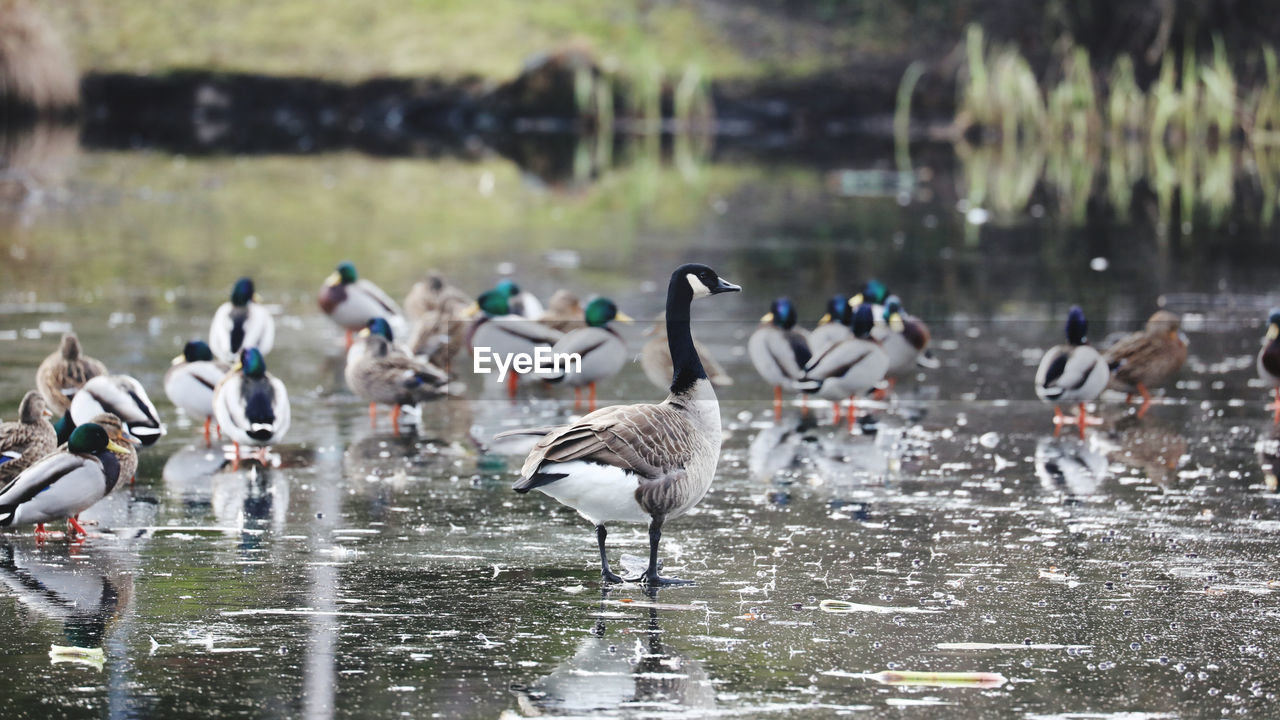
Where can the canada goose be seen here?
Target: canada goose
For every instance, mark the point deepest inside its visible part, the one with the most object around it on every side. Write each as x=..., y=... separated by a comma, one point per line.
x=124, y=439
x=905, y=340
x=639, y=463
x=124, y=397
x=655, y=358
x=564, y=312
x=600, y=350
x=830, y=330
x=26, y=441
x=432, y=293
x=503, y=334
x=1269, y=361
x=63, y=484
x=64, y=372
x=250, y=404
x=241, y=322
x=352, y=302
x=1149, y=358
x=778, y=351
x=1072, y=374
x=383, y=374
x=190, y=380
x=849, y=368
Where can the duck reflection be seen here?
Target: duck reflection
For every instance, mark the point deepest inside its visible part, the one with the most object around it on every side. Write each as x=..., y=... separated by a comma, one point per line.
x=778, y=447
x=607, y=676
x=1070, y=465
x=1153, y=447
x=86, y=593
x=1267, y=449
x=253, y=497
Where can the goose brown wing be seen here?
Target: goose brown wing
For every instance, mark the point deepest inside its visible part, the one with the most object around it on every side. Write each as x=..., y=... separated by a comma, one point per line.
x=650, y=440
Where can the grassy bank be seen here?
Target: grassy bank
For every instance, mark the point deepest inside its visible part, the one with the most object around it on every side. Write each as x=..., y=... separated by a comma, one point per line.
x=348, y=41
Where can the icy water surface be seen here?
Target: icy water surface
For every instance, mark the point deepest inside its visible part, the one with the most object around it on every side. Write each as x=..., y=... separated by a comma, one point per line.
x=1131, y=574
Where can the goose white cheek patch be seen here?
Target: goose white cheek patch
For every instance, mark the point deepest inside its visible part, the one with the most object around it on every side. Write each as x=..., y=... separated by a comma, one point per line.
x=699, y=290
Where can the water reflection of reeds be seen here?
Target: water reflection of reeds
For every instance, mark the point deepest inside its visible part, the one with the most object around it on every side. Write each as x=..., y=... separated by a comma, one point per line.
x=1194, y=137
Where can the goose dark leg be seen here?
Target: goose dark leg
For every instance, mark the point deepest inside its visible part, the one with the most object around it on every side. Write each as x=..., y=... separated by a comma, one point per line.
x=651, y=576
x=608, y=575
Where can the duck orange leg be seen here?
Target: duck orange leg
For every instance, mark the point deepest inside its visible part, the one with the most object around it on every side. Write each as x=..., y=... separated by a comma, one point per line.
x=777, y=402
x=373, y=414
x=591, y=397
x=395, y=419
x=1082, y=420
x=1146, y=400
x=351, y=339
x=1057, y=420
x=837, y=412
x=512, y=380
x=853, y=411
x=577, y=397
x=235, y=460
x=41, y=533
x=207, y=422
x=75, y=527
x=1275, y=417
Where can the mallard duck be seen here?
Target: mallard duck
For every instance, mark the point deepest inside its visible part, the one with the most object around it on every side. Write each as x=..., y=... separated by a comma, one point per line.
x=905, y=340
x=779, y=351
x=432, y=293
x=1269, y=360
x=655, y=358
x=121, y=436
x=352, y=302
x=601, y=351
x=63, y=484
x=440, y=331
x=639, y=463
x=564, y=312
x=499, y=333
x=874, y=293
x=521, y=302
x=850, y=368
x=1149, y=358
x=64, y=372
x=26, y=441
x=190, y=380
x=1072, y=374
x=250, y=404
x=382, y=374
x=830, y=329
x=124, y=397
x=240, y=323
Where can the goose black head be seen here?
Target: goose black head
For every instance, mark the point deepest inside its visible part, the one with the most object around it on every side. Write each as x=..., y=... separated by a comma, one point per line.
x=91, y=438
x=864, y=320
x=702, y=280
x=344, y=274
x=32, y=408
x=602, y=311
x=242, y=292
x=195, y=351
x=252, y=364
x=1077, y=326
x=782, y=314
x=379, y=326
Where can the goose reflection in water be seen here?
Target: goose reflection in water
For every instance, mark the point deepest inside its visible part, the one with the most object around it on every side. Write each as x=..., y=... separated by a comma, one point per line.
x=615, y=676
x=85, y=593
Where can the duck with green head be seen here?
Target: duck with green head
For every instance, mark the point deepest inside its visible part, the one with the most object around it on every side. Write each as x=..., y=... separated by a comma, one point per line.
x=250, y=404
x=497, y=332
x=850, y=368
x=190, y=380
x=779, y=351
x=26, y=441
x=385, y=375
x=600, y=351
x=830, y=329
x=1072, y=374
x=522, y=302
x=65, y=483
x=241, y=322
x=905, y=339
x=351, y=302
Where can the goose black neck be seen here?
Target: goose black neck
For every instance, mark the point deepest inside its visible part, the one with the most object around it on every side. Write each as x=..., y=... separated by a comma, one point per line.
x=684, y=356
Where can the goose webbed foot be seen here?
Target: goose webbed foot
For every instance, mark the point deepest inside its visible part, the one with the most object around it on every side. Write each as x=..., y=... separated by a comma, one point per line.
x=610, y=576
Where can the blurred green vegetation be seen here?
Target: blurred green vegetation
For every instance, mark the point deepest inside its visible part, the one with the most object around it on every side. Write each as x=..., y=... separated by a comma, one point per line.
x=350, y=40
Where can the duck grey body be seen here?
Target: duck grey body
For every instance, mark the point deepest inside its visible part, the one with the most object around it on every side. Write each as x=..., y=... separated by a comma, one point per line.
x=639, y=463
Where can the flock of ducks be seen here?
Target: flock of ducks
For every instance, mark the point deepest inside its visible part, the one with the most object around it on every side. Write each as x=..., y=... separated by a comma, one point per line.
x=77, y=434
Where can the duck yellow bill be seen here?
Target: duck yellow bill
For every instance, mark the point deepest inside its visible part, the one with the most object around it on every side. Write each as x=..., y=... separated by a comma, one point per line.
x=767, y=318
x=333, y=279
x=178, y=360
x=826, y=318
x=623, y=317
x=856, y=300
x=364, y=333
x=1273, y=331
x=471, y=311
x=113, y=447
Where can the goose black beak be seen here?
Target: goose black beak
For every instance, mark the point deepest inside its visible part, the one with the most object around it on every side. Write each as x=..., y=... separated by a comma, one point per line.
x=724, y=286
